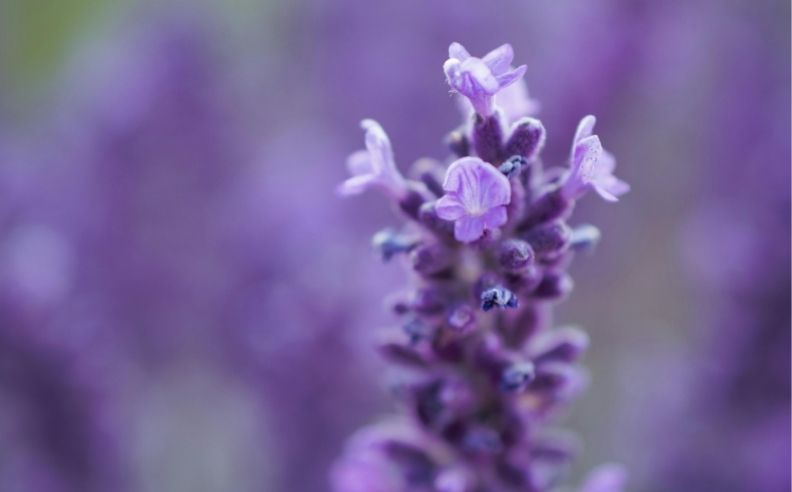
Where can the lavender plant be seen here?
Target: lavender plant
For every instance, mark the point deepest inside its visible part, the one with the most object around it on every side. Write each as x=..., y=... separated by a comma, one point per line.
x=489, y=241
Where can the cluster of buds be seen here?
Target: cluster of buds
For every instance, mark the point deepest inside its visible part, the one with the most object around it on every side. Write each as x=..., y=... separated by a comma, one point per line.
x=487, y=237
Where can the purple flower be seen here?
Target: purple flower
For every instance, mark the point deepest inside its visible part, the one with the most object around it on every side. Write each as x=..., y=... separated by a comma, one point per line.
x=479, y=79
x=374, y=167
x=476, y=198
x=592, y=166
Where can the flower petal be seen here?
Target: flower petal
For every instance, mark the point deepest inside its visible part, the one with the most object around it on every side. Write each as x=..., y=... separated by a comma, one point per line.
x=510, y=77
x=448, y=207
x=499, y=59
x=359, y=163
x=495, y=217
x=456, y=50
x=378, y=145
x=584, y=129
x=495, y=188
x=356, y=185
x=586, y=157
x=468, y=229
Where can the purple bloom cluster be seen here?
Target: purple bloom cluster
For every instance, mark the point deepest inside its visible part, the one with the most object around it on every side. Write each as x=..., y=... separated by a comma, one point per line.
x=483, y=374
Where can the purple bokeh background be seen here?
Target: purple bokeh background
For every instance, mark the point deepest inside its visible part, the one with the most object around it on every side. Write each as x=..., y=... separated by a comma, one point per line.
x=186, y=305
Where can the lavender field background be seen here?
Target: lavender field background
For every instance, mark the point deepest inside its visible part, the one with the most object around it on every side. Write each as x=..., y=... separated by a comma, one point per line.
x=186, y=305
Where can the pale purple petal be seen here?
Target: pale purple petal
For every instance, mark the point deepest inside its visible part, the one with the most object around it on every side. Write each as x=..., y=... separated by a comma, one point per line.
x=356, y=185
x=510, y=77
x=478, y=78
x=456, y=50
x=449, y=207
x=495, y=187
x=584, y=129
x=468, y=229
x=515, y=102
x=586, y=158
x=495, y=217
x=378, y=145
x=499, y=59
x=610, y=187
x=359, y=163
x=606, y=478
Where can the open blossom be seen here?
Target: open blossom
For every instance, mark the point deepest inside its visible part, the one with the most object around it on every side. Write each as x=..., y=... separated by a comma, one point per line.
x=480, y=79
x=476, y=198
x=592, y=166
x=373, y=167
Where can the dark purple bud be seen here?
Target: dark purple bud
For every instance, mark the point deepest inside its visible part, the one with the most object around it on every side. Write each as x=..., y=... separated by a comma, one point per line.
x=515, y=255
x=429, y=301
x=390, y=243
x=498, y=296
x=488, y=138
x=553, y=286
x=517, y=376
x=526, y=280
x=549, y=238
x=430, y=259
x=458, y=143
x=411, y=203
x=430, y=173
x=529, y=321
x=585, y=238
x=402, y=354
x=558, y=379
x=563, y=344
x=549, y=206
x=462, y=318
x=443, y=229
x=512, y=166
x=527, y=138
x=417, y=330
x=482, y=440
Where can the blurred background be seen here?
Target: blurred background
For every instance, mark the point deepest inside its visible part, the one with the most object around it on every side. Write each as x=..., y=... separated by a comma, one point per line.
x=185, y=305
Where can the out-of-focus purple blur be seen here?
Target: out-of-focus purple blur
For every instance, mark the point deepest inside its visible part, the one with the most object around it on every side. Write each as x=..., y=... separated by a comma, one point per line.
x=185, y=304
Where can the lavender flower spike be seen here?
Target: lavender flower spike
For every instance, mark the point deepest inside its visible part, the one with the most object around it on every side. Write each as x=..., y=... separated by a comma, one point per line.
x=479, y=79
x=374, y=167
x=592, y=166
x=476, y=198
x=485, y=372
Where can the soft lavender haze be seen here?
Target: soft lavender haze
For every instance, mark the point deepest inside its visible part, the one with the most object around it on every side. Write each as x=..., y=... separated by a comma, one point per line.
x=186, y=303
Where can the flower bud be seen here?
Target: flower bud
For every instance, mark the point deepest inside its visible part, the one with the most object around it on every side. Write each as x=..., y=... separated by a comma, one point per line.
x=498, y=296
x=547, y=207
x=553, y=286
x=431, y=259
x=585, y=238
x=513, y=166
x=527, y=138
x=517, y=376
x=458, y=143
x=564, y=344
x=550, y=238
x=488, y=138
x=390, y=243
x=514, y=255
